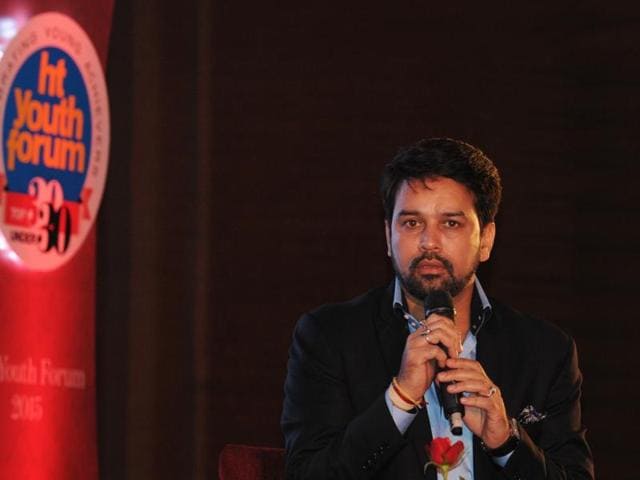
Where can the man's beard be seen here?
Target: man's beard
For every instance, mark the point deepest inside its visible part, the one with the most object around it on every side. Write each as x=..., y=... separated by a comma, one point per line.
x=420, y=286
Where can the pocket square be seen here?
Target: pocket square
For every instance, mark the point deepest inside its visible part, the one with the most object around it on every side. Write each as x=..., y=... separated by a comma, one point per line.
x=530, y=415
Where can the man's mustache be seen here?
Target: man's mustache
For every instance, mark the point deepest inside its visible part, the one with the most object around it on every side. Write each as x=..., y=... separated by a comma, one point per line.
x=431, y=256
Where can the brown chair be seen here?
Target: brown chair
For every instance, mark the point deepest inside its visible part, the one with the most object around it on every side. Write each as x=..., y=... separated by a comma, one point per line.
x=245, y=462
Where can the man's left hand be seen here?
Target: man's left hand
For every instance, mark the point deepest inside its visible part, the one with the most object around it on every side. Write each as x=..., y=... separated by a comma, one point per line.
x=485, y=413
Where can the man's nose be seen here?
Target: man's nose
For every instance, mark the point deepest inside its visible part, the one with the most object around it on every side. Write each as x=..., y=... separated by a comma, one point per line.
x=430, y=239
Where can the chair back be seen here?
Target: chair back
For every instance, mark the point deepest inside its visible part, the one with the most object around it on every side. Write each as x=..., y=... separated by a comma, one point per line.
x=246, y=462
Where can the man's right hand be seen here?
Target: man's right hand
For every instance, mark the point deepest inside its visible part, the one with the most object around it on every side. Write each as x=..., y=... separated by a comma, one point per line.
x=423, y=349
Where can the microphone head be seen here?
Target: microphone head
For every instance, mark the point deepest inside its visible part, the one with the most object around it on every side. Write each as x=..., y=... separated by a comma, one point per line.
x=440, y=302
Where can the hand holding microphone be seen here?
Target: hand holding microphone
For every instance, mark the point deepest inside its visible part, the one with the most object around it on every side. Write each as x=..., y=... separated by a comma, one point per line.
x=487, y=417
x=426, y=352
x=436, y=343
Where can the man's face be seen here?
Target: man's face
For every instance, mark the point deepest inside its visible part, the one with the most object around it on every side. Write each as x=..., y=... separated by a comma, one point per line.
x=434, y=238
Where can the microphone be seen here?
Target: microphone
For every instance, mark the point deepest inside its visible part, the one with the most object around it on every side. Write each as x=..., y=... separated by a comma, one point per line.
x=440, y=302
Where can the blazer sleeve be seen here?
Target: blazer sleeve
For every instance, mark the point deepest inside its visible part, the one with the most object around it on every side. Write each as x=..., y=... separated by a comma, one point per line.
x=560, y=450
x=326, y=437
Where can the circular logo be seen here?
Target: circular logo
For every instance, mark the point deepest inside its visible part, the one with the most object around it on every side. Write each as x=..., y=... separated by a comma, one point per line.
x=54, y=122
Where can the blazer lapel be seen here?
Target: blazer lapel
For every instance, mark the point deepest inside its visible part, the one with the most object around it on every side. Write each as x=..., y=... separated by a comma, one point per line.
x=392, y=333
x=490, y=349
x=497, y=355
x=493, y=352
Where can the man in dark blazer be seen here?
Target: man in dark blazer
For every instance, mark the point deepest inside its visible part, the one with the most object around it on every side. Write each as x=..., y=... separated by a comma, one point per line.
x=363, y=381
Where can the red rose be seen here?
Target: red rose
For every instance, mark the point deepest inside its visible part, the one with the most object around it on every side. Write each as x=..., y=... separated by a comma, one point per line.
x=443, y=454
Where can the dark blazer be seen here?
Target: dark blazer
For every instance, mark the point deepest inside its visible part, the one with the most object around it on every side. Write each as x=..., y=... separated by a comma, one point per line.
x=336, y=422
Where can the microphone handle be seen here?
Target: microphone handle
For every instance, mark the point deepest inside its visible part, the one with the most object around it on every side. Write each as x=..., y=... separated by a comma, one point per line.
x=453, y=409
x=450, y=402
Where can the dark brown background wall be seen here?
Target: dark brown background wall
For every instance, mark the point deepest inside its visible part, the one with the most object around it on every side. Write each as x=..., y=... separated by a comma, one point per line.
x=247, y=143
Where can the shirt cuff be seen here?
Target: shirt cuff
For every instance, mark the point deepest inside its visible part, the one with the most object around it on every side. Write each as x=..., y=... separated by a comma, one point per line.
x=401, y=418
x=502, y=461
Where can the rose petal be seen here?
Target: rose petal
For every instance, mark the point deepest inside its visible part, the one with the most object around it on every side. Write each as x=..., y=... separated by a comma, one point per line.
x=452, y=455
x=437, y=450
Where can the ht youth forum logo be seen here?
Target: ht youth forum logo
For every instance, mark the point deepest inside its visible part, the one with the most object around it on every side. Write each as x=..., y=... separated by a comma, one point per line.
x=54, y=122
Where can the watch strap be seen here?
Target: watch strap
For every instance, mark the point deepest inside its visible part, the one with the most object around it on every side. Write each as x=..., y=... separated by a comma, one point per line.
x=509, y=445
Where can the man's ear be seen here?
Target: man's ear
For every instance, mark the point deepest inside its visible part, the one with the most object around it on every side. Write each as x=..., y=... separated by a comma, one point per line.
x=487, y=237
x=387, y=234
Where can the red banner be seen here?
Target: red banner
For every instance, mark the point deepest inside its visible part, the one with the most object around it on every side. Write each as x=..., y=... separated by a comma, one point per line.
x=47, y=318
x=21, y=211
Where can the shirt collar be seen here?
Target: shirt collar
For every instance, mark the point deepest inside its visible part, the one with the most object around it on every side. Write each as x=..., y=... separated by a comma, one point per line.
x=480, y=306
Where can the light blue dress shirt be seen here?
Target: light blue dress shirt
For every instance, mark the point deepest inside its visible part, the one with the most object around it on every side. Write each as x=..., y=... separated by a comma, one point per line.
x=439, y=424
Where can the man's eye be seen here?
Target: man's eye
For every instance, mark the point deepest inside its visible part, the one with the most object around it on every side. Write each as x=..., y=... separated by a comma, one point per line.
x=410, y=223
x=451, y=224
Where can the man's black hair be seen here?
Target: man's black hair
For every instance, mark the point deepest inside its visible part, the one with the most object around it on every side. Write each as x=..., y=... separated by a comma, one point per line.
x=444, y=157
